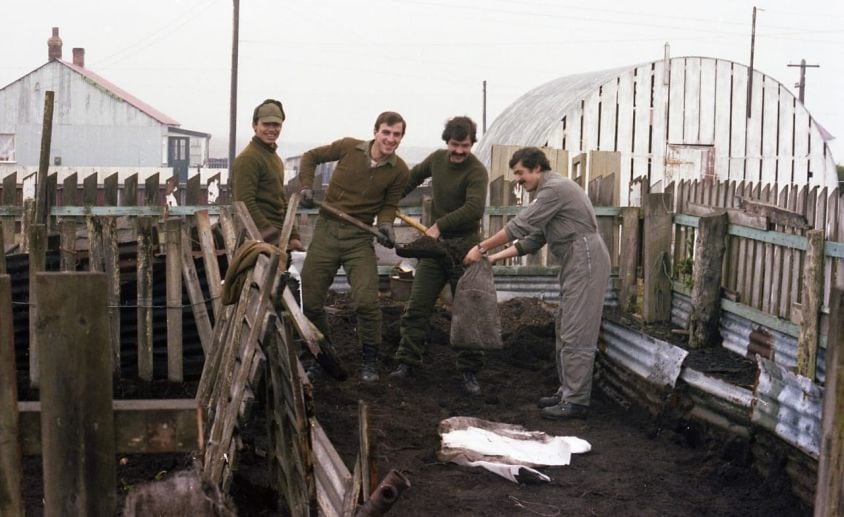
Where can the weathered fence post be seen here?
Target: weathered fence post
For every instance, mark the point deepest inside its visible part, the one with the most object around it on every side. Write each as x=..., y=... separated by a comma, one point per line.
x=829, y=495
x=37, y=263
x=209, y=256
x=67, y=226
x=42, y=205
x=656, y=267
x=710, y=246
x=2, y=253
x=629, y=257
x=173, y=265
x=807, y=343
x=10, y=452
x=10, y=188
x=145, y=298
x=77, y=420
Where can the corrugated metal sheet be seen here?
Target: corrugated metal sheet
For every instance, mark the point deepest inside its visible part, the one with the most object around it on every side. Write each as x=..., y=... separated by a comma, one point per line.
x=652, y=359
x=738, y=333
x=719, y=402
x=790, y=406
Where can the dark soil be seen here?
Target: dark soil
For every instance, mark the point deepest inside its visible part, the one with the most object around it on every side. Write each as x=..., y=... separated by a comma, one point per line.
x=638, y=465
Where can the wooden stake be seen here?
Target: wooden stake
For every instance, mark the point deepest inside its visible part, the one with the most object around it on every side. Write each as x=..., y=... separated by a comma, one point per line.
x=10, y=452
x=173, y=228
x=829, y=495
x=37, y=263
x=145, y=363
x=710, y=246
x=197, y=299
x=77, y=422
x=629, y=257
x=807, y=343
x=656, y=299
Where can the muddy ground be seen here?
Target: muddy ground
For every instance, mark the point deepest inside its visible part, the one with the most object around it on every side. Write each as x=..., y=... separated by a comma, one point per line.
x=637, y=465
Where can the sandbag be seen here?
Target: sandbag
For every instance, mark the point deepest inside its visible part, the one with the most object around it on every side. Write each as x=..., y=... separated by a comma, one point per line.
x=475, y=322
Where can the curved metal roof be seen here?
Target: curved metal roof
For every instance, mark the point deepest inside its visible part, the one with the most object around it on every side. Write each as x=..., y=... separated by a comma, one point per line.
x=531, y=117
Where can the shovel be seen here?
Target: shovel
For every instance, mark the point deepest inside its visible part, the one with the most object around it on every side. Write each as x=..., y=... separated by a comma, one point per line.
x=423, y=247
x=349, y=219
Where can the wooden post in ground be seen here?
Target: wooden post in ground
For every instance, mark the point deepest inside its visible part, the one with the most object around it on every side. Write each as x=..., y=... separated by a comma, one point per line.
x=67, y=226
x=37, y=263
x=629, y=258
x=829, y=495
x=173, y=230
x=77, y=420
x=42, y=205
x=10, y=188
x=656, y=267
x=807, y=342
x=710, y=246
x=145, y=298
x=2, y=253
x=10, y=452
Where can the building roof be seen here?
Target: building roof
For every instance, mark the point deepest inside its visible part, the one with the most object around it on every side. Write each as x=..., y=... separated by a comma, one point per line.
x=121, y=94
x=531, y=118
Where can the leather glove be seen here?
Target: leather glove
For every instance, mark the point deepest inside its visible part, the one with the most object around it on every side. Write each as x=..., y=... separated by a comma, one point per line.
x=307, y=195
x=388, y=239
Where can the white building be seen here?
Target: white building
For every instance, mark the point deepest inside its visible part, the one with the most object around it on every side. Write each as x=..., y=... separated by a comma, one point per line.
x=95, y=123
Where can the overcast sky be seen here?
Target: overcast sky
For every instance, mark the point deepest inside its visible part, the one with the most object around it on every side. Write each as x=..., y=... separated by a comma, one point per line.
x=336, y=64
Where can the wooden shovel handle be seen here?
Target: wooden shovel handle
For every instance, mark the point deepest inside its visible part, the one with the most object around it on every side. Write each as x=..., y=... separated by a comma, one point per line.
x=349, y=219
x=412, y=222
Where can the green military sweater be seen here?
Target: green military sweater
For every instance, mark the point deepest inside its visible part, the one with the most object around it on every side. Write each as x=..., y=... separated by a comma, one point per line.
x=459, y=192
x=258, y=179
x=356, y=187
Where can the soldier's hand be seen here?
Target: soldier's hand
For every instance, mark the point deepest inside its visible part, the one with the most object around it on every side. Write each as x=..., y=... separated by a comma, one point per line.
x=388, y=235
x=307, y=195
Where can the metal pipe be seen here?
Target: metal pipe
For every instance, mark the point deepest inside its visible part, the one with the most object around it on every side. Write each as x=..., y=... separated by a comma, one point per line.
x=385, y=496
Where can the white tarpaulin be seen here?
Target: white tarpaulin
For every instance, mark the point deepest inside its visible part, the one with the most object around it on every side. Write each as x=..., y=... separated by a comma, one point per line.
x=504, y=449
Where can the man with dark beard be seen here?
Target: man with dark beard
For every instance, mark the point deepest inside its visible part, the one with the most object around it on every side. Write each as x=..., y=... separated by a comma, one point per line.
x=459, y=184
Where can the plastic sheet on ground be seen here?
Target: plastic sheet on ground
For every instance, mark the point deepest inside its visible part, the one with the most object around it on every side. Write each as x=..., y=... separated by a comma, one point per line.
x=507, y=450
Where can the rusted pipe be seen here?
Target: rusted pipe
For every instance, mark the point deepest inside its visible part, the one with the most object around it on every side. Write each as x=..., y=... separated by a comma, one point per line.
x=385, y=496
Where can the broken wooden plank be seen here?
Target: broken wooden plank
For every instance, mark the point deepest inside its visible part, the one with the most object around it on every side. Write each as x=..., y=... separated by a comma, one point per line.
x=209, y=256
x=775, y=214
x=194, y=289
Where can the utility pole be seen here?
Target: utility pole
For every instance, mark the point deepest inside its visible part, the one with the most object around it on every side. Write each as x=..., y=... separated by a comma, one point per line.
x=750, y=70
x=233, y=94
x=484, y=110
x=801, y=86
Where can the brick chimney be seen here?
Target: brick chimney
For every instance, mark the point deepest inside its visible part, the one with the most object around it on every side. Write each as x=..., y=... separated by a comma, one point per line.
x=54, y=46
x=79, y=57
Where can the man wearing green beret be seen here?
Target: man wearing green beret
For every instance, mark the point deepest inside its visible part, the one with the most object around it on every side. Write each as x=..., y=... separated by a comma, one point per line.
x=258, y=175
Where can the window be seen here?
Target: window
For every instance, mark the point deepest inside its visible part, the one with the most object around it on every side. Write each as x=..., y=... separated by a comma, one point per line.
x=7, y=147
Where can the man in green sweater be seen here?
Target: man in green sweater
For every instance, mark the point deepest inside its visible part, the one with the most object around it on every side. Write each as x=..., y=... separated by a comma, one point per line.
x=258, y=175
x=459, y=183
x=368, y=181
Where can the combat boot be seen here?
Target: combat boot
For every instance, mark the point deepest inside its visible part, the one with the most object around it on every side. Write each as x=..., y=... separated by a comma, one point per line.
x=565, y=411
x=470, y=383
x=403, y=371
x=549, y=401
x=369, y=368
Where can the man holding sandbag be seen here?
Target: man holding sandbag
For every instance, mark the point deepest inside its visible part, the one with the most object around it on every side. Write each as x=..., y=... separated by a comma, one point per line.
x=562, y=216
x=459, y=184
